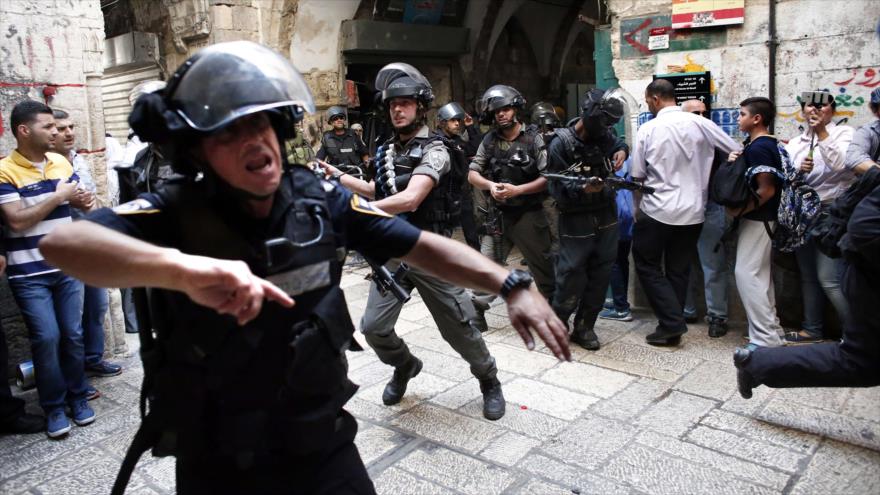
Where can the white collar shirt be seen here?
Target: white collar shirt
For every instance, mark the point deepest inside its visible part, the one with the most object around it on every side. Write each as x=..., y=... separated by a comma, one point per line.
x=674, y=153
x=829, y=177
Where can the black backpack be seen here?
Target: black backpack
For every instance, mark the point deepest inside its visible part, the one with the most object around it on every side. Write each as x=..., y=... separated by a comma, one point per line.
x=731, y=185
x=830, y=225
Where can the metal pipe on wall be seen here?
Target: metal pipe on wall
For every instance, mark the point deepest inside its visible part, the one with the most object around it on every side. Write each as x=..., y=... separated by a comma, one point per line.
x=771, y=65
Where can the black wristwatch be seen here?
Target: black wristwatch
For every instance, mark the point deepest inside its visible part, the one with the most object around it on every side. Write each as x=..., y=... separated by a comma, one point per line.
x=518, y=279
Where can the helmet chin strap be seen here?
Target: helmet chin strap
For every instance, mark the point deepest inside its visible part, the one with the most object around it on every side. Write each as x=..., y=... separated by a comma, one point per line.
x=413, y=126
x=223, y=188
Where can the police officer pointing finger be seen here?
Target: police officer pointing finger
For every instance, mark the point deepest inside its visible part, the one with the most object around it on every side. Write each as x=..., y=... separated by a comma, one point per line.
x=244, y=368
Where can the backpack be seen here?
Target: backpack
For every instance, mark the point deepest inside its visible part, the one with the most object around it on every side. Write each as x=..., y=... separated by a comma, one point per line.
x=830, y=226
x=732, y=185
x=799, y=206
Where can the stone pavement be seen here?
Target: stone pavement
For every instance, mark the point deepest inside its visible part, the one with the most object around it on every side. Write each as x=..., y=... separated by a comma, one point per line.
x=629, y=418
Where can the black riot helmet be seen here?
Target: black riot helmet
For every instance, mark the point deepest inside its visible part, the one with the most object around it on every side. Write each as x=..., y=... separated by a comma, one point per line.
x=403, y=80
x=450, y=111
x=335, y=111
x=216, y=86
x=544, y=115
x=500, y=96
x=602, y=109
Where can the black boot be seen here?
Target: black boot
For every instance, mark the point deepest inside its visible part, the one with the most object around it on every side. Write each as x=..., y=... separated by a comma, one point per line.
x=585, y=337
x=745, y=382
x=397, y=386
x=493, y=399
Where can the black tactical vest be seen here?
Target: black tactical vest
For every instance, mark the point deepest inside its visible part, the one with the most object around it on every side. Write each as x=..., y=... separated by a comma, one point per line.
x=341, y=151
x=275, y=386
x=516, y=165
x=440, y=211
x=590, y=160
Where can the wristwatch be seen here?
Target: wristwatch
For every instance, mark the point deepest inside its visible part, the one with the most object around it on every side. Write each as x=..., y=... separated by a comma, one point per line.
x=518, y=279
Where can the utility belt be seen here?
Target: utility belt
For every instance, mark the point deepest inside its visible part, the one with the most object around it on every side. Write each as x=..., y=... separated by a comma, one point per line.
x=590, y=202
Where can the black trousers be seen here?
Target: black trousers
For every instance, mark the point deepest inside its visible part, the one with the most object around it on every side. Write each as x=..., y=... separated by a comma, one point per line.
x=587, y=250
x=468, y=222
x=10, y=407
x=341, y=472
x=663, y=254
x=852, y=362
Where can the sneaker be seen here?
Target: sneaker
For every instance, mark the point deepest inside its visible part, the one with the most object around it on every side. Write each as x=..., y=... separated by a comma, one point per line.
x=609, y=303
x=24, y=423
x=690, y=317
x=103, y=368
x=92, y=393
x=82, y=413
x=717, y=329
x=57, y=424
x=613, y=314
x=802, y=337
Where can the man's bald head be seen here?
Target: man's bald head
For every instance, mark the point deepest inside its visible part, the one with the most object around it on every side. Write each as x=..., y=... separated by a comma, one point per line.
x=694, y=106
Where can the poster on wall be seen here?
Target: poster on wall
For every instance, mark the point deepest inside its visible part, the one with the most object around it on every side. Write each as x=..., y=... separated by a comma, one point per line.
x=688, y=14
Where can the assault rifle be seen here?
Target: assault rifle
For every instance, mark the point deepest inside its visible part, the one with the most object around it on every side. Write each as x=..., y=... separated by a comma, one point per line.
x=612, y=181
x=495, y=228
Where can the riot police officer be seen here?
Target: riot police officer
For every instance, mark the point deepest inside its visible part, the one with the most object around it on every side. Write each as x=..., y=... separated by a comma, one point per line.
x=451, y=125
x=587, y=213
x=342, y=147
x=508, y=164
x=544, y=119
x=246, y=387
x=414, y=177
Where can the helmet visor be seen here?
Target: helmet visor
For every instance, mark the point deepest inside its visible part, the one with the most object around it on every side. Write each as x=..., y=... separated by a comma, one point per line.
x=230, y=80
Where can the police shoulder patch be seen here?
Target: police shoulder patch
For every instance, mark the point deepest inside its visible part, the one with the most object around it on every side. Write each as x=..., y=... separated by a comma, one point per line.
x=138, y=206
x=361, y=205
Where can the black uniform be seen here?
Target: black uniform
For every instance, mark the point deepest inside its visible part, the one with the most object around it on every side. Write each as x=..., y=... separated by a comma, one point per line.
x=257, y=409
x=587, y=226
x=467, y=220
x=343, y=151
x=855, y=361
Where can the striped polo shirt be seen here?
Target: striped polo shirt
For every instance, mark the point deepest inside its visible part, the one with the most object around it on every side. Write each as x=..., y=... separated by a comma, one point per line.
x=21, y=181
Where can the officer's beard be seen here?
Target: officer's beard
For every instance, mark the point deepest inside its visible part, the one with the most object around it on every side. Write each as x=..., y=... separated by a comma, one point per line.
x=507, y=125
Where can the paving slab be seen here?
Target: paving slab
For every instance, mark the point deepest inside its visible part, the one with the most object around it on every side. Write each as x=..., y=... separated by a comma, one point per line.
x=746, y=448
x=822, y=422
x=658, y=473
x=457, y=471
x=675, y=413
x=447, y=427
x=548, y=399
x=840, y=468
x=509, y=448
x=589, y=442
x=394, y=481
x=587, y=379
x=575, y=478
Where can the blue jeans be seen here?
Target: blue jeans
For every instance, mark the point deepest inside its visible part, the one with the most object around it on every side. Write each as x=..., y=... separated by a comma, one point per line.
x=131, y=323
x=95, y=304
x=714, y=264
x=51, y=305
x=820, y=277
x=620, y=276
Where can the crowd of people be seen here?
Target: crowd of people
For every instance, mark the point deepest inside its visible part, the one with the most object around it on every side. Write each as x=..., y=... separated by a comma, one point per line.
x=282, y=379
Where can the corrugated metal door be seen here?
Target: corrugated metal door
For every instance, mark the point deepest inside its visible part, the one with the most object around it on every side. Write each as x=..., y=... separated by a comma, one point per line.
x=115, y=88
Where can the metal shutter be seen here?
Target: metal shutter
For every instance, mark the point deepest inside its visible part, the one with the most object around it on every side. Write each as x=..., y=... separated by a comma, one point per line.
x=115, y=88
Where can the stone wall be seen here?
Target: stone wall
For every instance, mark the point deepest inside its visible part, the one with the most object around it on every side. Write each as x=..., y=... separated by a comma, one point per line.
x=821, y=45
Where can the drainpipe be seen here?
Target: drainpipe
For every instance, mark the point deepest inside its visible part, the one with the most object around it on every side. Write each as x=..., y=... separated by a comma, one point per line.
x=772, y=44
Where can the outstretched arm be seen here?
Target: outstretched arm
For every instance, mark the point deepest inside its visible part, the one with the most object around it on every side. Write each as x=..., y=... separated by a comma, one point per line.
x=102, y=257
x=460, y=265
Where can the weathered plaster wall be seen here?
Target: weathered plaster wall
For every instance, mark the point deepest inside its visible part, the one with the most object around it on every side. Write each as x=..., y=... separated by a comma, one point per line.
x=822, y=45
